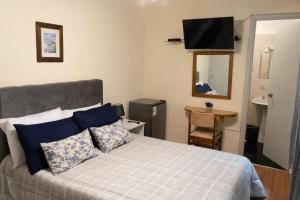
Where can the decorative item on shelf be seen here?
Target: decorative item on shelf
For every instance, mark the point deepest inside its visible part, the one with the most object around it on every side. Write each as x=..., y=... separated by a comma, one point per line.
x=209, y=106
x=119, y=110
x=237, y=38
x=175, y=40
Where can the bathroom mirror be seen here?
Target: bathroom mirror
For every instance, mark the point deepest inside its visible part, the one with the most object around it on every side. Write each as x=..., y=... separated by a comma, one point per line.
x=212, y=74
x=264, y=68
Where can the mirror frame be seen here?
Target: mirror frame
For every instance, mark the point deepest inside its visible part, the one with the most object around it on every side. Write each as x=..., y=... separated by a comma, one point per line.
x=229, y=87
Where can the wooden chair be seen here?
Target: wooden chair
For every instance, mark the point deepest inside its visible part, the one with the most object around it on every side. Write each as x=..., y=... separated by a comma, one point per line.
x=203, y=130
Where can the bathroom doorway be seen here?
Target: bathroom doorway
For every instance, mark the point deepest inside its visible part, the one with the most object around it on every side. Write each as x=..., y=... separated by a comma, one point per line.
x=272, y=92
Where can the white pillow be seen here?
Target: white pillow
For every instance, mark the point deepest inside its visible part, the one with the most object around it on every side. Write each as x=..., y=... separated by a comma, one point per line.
x=7, y=125
x=69, y=113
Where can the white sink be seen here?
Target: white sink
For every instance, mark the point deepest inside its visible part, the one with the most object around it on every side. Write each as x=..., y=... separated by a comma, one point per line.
x=262, y=101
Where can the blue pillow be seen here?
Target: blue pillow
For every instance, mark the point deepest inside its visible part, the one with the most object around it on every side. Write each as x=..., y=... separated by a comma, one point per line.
x=203, y=88
x=96, y=117
x=31, y=137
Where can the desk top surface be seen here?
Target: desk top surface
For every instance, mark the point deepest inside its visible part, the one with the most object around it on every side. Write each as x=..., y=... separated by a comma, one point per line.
x=220, y=113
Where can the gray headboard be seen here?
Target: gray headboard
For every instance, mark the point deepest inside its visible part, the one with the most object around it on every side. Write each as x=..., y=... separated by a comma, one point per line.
x=31, y=99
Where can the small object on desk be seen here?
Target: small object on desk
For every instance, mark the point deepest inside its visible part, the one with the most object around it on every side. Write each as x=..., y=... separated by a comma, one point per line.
x=132, y=121
x=209, y=106
x=134, y=126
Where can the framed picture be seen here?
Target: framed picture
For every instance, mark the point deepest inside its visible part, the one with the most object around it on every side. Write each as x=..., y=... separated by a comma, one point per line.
x=49, y=42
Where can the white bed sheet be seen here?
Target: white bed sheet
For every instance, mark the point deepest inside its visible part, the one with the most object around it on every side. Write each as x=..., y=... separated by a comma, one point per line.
x=144, y=169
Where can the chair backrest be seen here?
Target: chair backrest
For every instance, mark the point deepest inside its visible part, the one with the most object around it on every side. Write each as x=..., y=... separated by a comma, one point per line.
x=205, y=120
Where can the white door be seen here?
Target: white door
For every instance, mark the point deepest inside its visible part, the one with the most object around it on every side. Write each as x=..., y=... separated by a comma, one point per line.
x=284, y=75
x=218, y=73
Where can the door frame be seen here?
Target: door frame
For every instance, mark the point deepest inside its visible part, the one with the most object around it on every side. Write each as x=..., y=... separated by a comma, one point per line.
x=249, y=65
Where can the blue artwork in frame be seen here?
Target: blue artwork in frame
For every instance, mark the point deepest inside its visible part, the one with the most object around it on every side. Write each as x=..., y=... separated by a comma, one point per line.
x=49, y=42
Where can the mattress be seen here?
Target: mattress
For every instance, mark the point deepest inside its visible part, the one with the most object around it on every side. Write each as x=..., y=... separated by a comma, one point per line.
x=144, y=169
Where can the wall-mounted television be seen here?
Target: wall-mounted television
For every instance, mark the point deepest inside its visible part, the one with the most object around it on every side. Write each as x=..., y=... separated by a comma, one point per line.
x=209, y=33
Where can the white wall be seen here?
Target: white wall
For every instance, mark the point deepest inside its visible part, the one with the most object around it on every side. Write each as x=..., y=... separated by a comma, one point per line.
x=168, y=68
x=102, y=39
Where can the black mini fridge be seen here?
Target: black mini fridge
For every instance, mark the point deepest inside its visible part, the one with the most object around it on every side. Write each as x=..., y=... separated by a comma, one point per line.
x=153, y=113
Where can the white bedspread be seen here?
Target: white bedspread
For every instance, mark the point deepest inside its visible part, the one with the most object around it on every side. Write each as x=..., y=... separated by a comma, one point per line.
x=141, y=170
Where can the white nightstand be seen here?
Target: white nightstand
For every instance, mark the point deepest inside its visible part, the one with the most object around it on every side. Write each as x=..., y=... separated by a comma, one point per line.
x=134, y=126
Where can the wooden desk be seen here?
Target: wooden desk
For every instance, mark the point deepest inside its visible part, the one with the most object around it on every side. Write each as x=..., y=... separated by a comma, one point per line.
x=218, y=113
x=219, y=118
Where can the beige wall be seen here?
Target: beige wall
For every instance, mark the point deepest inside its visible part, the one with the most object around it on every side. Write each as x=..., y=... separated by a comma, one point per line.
x=102, y=39
x=168, y=68
x=259, y=87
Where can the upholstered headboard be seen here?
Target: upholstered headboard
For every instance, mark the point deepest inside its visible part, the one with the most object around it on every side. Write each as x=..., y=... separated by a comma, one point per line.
x=32, y=99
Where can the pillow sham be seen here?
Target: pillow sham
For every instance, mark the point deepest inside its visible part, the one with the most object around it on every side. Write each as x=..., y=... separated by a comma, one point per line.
x=15, y=148
x=111, y=136
x=65, y=154
x=69, y=113
x=95, y=117
x=31, y=136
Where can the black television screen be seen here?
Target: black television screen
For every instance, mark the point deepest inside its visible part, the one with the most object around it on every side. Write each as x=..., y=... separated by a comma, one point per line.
x=210, y=33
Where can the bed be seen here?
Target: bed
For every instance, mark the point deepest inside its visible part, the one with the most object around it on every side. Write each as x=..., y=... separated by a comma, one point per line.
x=146, y=168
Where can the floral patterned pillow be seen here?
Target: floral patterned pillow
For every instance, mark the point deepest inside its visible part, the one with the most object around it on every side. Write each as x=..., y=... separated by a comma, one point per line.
x=67, y=153
x=111, y=136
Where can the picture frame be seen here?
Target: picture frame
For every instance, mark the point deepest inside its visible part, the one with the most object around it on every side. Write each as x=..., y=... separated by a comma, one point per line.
x=49, y=42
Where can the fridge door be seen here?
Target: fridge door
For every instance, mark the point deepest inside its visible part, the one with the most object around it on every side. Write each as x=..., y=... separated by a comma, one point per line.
x=159, y=121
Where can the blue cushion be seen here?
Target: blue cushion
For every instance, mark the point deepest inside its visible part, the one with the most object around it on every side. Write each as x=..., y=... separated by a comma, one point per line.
x=31, y=137
x=96, y=117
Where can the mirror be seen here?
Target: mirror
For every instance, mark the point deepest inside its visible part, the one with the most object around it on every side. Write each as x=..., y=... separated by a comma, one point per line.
x=264, y=67
x=265, y=62
x=212, y=74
